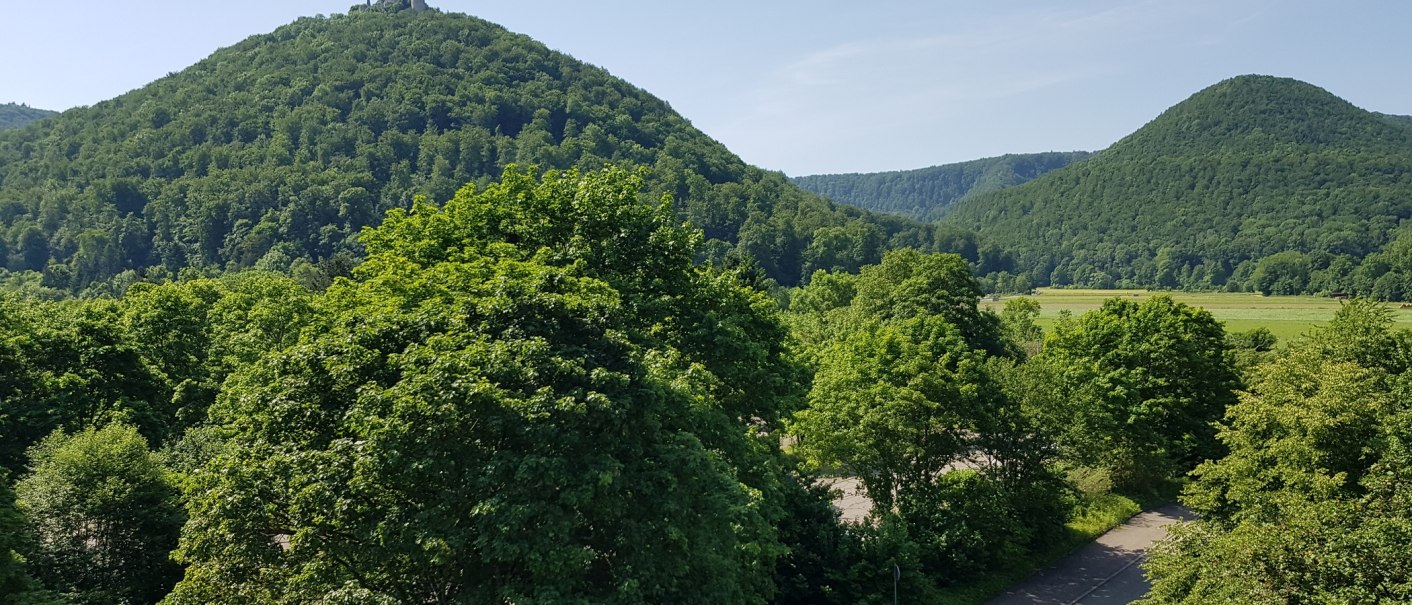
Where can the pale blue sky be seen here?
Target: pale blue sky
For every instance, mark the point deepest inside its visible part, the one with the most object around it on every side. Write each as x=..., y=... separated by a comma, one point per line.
x=810, y=86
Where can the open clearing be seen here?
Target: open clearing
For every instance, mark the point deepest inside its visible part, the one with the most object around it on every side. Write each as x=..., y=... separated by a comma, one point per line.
x=1286, y=316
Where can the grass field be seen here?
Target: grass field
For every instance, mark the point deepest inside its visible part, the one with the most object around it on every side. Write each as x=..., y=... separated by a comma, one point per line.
x=1286, y=316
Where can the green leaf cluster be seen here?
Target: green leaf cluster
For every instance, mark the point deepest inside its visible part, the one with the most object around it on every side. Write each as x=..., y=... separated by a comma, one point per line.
x=104, y=514
x=1311, y=505
x=65, y=365
x=154, y=359
x=85, y=387
x=1137, y=388
x=531, y=393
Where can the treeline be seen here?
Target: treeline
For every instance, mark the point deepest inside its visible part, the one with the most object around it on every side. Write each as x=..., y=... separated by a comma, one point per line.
x=15, y=115
x=276, y=152
x=927, y=194
x=1384, y=275
x=535, y=392
x=1217, y=193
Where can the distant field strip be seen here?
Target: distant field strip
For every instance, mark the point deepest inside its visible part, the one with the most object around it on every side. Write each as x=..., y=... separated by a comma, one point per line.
x=1286, y=316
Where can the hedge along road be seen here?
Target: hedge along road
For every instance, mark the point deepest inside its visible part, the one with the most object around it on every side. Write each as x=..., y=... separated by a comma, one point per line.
x=1105, y=571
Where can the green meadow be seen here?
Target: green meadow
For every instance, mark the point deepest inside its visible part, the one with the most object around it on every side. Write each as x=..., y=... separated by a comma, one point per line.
x=1286, y=316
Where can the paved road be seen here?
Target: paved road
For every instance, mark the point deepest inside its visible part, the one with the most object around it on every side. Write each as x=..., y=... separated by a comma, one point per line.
x=852, y=505
x=1105, y=572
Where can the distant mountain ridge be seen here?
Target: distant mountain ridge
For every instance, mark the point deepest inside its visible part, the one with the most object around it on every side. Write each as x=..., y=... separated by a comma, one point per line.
x=1397, y=119
x=15, y=115
x=1248, y=168
x=927, y=194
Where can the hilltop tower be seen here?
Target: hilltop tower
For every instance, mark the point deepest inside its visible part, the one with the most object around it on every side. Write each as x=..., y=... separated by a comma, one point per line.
x=419, y=5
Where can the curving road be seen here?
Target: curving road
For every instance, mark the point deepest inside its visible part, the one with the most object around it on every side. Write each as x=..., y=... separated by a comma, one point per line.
x=1105, y=571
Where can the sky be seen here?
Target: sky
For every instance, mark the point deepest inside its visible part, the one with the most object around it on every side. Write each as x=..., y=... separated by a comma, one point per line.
x=814, y=86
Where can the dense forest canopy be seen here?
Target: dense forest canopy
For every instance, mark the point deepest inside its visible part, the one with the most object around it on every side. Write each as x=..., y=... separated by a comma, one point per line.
x=276, y=152
x=400, y=307
x=1313, y=501
x=927, y=194
x=15, y=115
x=1206, y=193
x=535, y=392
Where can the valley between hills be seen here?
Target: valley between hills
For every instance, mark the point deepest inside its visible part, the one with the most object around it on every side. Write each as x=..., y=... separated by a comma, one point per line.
x=399, y=306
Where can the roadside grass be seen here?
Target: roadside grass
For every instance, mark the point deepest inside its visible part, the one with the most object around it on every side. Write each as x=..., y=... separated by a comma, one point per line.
x=1094, y=517
x=1098, y=516
x=1287, y=317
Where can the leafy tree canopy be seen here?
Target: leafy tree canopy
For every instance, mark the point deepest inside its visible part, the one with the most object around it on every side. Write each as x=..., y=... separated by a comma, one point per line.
x=1312, y=503
x=1140, y=386
x=14, y=578
x=908, y=398
x=104, y=515
x=153, y=359
x=530, y=394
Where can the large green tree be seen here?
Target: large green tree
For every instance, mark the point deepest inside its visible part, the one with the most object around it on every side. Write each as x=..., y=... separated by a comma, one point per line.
x=154, y=358
x=897, y=405
x=1141, y=385
x=66, y=366
x=104, y=514
x=905, y=399
x=531, y=394
x=194, y=333
x=1281, y=273
x=909, y=284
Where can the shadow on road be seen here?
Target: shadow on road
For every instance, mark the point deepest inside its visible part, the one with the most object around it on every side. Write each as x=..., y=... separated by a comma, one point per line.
x=1103, y=571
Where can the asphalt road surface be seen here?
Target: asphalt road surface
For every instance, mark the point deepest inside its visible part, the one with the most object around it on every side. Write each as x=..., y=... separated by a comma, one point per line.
x=852, y=505
x=1107, y=571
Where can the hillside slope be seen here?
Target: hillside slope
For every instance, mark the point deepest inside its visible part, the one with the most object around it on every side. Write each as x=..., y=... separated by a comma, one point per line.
x=1245, y=169
x=14, y=115
x=927, y=194
x=277, y=151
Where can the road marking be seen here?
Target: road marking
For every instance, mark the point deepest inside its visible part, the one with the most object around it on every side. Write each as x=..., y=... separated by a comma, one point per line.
x=1107, y=579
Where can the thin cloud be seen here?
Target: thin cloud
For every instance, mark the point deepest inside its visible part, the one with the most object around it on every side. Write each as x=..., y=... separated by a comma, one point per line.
x=919, y=86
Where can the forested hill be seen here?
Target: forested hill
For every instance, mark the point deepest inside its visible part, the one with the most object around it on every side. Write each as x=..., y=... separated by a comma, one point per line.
x=15, y=115
x=276, y=152
x=927, y=194
x=1256, y=182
